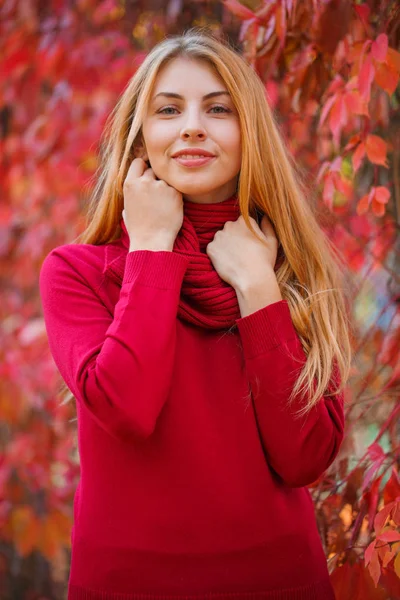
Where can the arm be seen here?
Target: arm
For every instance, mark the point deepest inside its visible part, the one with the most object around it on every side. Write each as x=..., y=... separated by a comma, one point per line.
x=298, y=449
x=119, y=367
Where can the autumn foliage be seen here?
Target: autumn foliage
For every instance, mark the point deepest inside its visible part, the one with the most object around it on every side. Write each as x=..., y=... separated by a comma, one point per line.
x=331, y=70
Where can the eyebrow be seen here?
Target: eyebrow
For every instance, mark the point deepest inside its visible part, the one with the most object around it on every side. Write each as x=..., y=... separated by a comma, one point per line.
x=174, y=95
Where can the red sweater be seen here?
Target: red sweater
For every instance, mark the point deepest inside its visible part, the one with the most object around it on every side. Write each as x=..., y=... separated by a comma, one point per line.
x=193, y=471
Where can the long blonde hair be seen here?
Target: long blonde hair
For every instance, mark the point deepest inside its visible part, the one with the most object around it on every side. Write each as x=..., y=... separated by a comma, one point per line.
x=309, y=276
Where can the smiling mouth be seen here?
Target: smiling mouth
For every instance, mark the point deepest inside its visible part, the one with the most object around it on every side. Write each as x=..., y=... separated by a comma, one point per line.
x=187, y=160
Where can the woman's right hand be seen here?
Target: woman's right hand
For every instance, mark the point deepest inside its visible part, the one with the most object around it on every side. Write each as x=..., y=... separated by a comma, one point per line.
x=153, y=210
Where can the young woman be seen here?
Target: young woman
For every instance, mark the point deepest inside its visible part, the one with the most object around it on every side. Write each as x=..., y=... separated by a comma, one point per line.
x=207, y=348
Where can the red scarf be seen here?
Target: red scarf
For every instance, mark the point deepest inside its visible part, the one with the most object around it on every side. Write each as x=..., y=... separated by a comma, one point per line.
x=206, y=300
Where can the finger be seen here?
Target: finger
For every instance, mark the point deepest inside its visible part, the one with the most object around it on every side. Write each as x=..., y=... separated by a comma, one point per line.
x=136, y=168
x=267, y=228
x=266, y=224
x=148, y=174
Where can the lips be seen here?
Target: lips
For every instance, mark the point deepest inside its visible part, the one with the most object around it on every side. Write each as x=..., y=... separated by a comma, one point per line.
x=193, y=152
x=191, y=161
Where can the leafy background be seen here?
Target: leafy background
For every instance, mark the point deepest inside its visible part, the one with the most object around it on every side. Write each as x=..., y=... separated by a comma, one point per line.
x=331, y=71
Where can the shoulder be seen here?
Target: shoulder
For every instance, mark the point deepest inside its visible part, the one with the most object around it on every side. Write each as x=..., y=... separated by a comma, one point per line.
x=85, y=261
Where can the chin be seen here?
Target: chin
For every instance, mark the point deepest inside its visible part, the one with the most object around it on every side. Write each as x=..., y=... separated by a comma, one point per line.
x=192, y=187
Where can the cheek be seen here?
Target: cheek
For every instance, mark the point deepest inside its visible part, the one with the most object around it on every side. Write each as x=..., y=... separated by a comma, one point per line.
x=159, y=137
x=230, y=138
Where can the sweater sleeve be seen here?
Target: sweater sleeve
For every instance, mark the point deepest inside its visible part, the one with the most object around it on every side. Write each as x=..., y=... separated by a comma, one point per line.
x=119, y=367
x=298, y=449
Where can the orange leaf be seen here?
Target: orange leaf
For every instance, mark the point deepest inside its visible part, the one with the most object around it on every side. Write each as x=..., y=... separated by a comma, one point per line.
x=355, y=103
x=25, y=528
x=376, y=149
x=397, y=565
x=379, y=48
x=49, y=542
x=382, y=194
x=382, y=516
x=377, y=208
x=393, y=59
x=387, y=558
x=363, y=204
x=353, y=142
x=386, y=78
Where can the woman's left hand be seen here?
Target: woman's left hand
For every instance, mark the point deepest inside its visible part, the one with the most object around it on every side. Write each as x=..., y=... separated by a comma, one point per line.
x=239, y=257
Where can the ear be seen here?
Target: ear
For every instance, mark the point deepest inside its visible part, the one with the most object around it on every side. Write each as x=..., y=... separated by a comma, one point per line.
x=139, y=148
x=140, y=152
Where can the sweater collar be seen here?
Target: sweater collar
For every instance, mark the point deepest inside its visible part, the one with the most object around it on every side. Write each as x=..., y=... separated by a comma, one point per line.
x=207, y=219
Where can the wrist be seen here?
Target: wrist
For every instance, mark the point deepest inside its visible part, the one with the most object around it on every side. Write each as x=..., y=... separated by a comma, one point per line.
x=267, y=279
x=253, y=296
x=154, y=245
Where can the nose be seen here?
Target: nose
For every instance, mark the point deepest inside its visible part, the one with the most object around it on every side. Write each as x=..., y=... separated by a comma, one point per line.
x=193, y=127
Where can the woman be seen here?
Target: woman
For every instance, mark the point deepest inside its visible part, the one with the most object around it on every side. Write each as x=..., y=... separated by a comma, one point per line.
x=207, y=359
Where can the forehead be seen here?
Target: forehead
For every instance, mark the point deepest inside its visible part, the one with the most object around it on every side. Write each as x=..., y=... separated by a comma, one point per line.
x=185, y=75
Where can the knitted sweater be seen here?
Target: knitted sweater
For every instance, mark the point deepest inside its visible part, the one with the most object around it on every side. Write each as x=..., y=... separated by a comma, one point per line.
x=193, y=469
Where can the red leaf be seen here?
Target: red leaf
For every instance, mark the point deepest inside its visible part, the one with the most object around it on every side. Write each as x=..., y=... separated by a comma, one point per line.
x=368, y=552
x=372, y=495
x=322, y=170
x=353, y=142
x=329, y=190
x=344, y=186
x=376, y=149
x=363, y=11
x=375, y=450
x=358, y=156
x=379, y=48
x=375, y=568
x=365, y=78
x=239, y=10
x=326, y=108
x=353, y=582
x=280, y=21
x=381, y=517
x=336, y=165
x=389, y=536
x=338, y=118
x=392, y=488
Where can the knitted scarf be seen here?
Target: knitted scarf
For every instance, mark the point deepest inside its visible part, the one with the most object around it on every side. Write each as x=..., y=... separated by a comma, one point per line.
x=206, y=300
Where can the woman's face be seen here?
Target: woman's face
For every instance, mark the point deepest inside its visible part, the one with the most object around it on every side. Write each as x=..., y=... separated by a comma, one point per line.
x=193, y=121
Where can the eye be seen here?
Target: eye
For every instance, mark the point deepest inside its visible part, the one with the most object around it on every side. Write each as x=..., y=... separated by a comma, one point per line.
x=224, y=109
x=166, y=108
